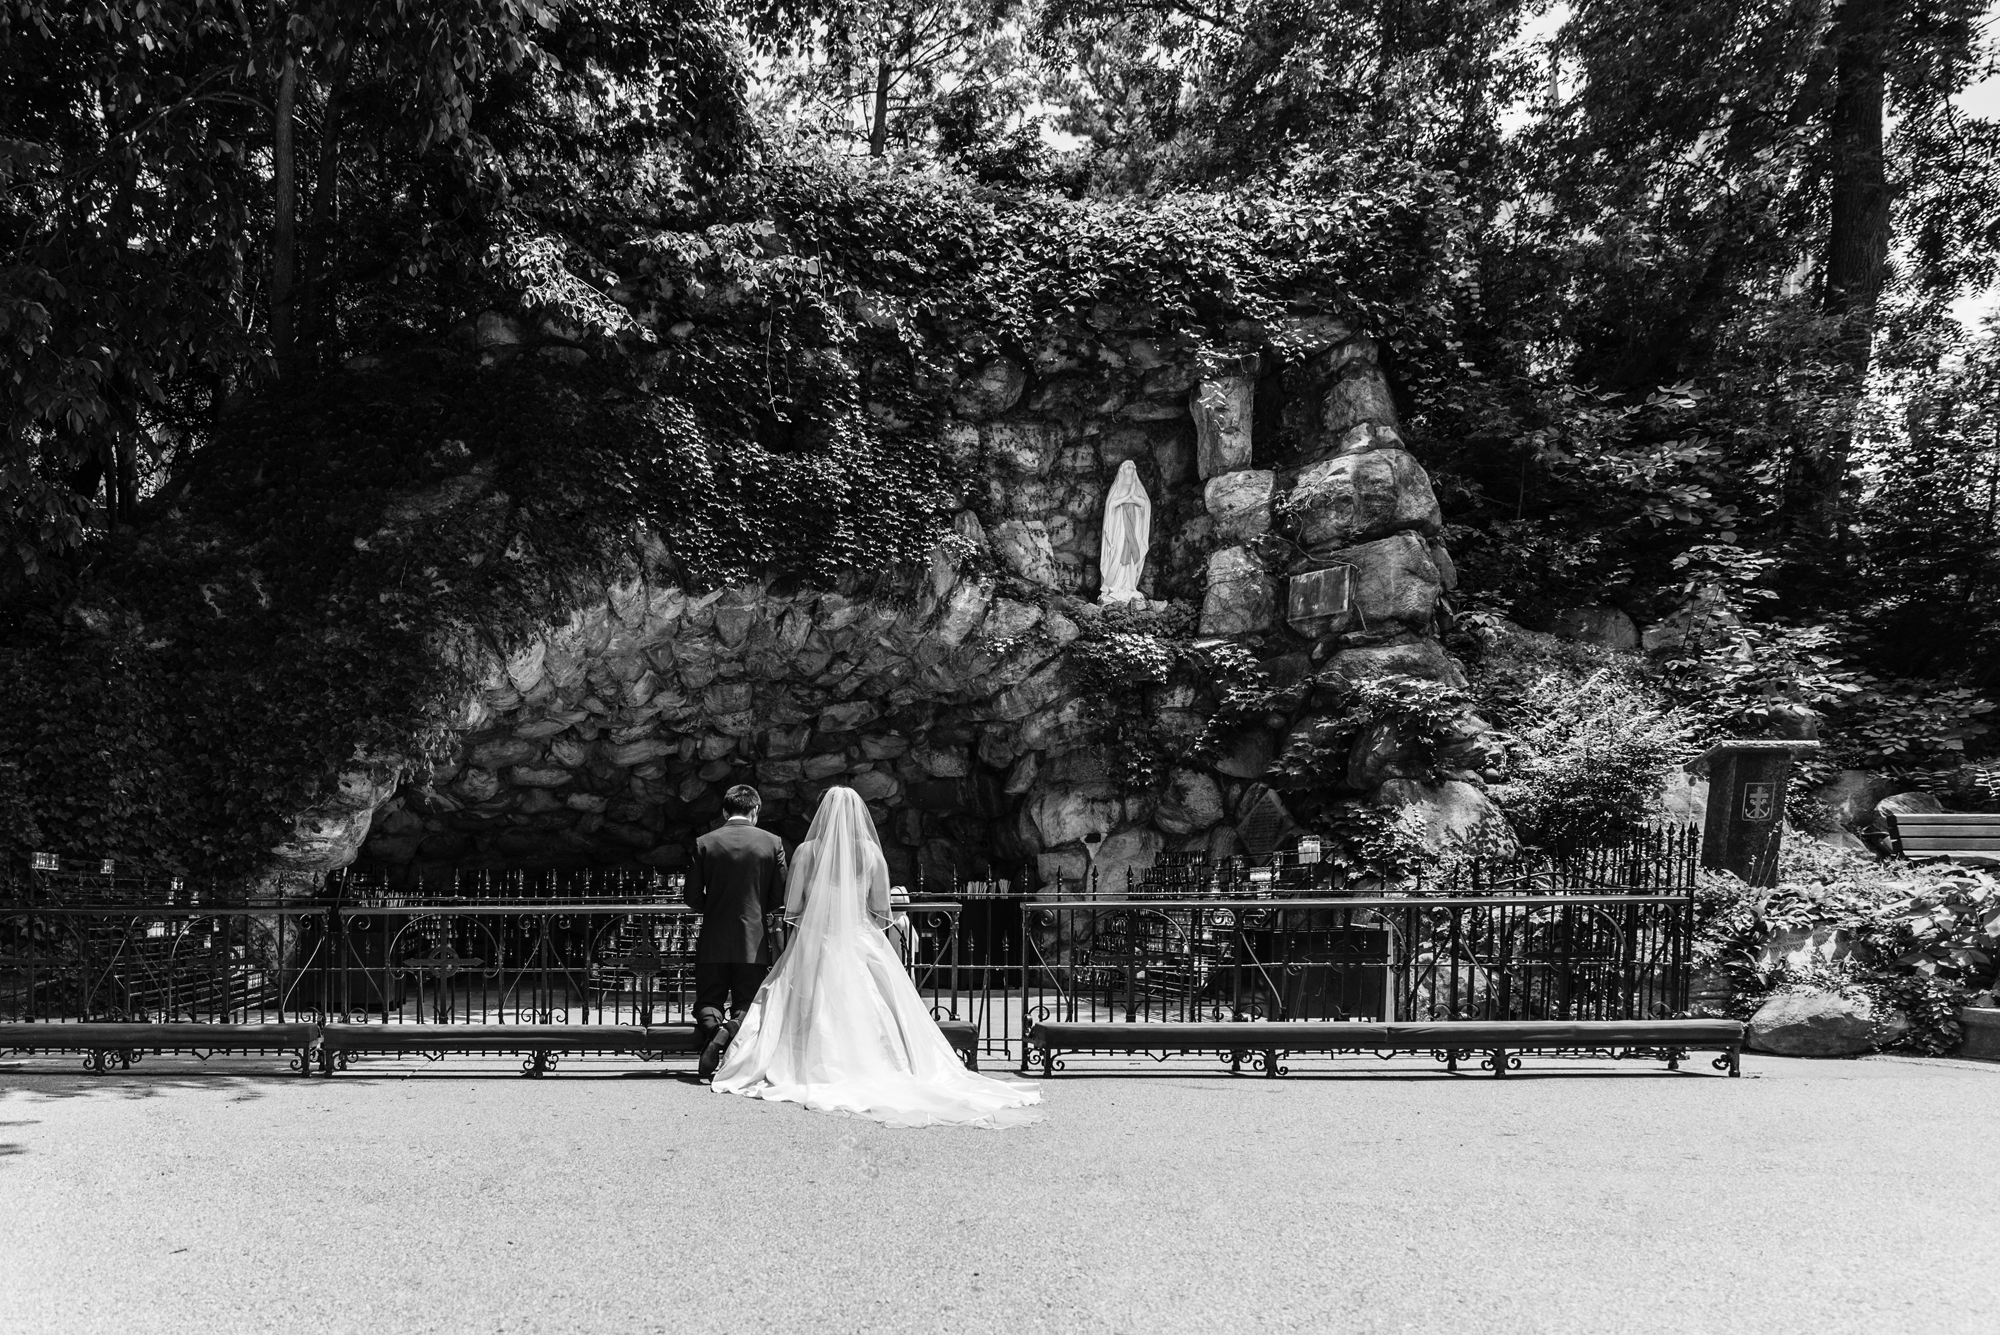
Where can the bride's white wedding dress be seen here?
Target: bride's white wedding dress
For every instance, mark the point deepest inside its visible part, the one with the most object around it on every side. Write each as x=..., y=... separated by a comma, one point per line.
x=838, y=1026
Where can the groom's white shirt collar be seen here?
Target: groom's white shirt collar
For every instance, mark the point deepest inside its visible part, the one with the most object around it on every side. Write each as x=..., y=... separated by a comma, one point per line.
x=735, y=820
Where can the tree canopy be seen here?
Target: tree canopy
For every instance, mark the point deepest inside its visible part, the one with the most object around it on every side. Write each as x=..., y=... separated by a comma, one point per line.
x=1672, y=283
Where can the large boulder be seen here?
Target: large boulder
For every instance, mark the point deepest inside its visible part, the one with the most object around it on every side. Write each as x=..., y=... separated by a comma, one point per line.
x=964, y=608
x=1222, y=418
x=1980, y=1026
x=1123, y=858
x=1914, y=803
x=1240, y=503
x=992, y=389
x=1247, y=754
x=1683, y=798
x=1822, y=1023
x=1423, y=659
x=1452, y=815
x=1607, y=627
x=1356, y=498
x=1380, y=753
x=1242, y=597
x=328, y=838
x=1191, y=804
x=1389, y=583
x=1359, y=396
x=1065, y=815
x=1852, y=795
x=1027, y=448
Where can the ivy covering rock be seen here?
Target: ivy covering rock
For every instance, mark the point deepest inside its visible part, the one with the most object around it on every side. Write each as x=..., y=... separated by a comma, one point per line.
x=803, y=490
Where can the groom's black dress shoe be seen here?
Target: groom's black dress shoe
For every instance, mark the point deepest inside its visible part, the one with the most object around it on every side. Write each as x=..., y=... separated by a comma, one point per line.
x=711, y=1056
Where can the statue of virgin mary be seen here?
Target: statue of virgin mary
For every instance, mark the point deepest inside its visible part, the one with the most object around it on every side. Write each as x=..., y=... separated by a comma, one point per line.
x=1128, y=528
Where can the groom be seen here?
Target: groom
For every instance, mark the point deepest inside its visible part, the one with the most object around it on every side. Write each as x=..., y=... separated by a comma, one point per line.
x=736, y=877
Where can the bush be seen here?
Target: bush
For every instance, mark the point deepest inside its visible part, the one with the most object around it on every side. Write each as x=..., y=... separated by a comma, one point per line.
x=1921, y=936
x=1589, y=759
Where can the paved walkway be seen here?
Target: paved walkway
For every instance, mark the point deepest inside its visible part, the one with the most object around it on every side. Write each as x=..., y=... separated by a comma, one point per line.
x=1831, y=1196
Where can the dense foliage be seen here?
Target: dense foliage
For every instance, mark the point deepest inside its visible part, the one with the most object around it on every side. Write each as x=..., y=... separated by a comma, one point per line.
x=1916, y=939
x=1663, y=289
x=311, y=607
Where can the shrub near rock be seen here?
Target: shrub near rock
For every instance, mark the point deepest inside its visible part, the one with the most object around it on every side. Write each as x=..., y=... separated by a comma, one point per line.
x=1911, y=942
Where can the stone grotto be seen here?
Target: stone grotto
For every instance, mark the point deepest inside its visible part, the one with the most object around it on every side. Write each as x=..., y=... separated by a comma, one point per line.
x=1283, y=505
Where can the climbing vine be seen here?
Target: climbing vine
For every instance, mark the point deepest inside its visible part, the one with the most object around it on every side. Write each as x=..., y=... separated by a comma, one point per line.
x=758, y=385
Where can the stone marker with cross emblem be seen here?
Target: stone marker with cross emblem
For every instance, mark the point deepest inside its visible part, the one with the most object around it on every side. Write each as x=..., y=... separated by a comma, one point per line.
x=1744, y=825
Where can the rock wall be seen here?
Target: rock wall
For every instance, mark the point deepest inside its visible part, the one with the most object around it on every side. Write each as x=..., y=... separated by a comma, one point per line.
x=1285, y=508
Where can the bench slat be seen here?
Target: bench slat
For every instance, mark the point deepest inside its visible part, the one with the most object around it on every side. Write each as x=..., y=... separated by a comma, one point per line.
x=1931, y=834
x=110, y=1034
x=1449, y=1037
x=1985, y=848
x=1301, y=1035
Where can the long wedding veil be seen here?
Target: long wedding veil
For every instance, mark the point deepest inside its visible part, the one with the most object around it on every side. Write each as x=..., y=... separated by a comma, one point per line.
x=845, y=853
x=839, y=1025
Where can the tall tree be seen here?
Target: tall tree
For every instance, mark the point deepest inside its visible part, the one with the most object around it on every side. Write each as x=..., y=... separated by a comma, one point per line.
x=1188, y=92
x=882, y=70
x=152, y=165
x=1736, y=152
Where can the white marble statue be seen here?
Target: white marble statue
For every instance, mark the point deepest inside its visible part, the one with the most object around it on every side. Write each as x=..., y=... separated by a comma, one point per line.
x=1128, y=528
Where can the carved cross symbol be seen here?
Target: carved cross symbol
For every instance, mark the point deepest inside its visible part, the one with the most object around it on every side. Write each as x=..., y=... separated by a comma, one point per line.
x=1760, y=801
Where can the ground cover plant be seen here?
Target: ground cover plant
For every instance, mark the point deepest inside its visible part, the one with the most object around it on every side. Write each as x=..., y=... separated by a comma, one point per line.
x=1921, y=939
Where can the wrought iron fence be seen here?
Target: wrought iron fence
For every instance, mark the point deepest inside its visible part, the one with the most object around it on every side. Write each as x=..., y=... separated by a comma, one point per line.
x=400, y=962
x=1600, y=935
x=1555, y=956
x=1661, y=859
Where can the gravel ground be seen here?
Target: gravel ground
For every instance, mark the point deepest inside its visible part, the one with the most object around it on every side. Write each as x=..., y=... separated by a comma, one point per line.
x=1822, y=1196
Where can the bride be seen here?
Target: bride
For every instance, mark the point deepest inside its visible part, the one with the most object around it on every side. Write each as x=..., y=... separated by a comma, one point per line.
x=838, y=1026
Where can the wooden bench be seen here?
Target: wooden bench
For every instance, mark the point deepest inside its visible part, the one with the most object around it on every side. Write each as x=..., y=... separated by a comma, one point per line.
x=541, y=1045
x=538, y=1044
x=123, y=1041
x=1957, y=836
x=1451, y=1040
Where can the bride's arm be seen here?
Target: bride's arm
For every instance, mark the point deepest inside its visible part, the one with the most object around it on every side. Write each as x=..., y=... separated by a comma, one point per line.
x=795, y=889
x=878, y=891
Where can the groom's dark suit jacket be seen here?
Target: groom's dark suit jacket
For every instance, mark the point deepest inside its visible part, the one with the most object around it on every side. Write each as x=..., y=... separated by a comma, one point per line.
x=736, y=877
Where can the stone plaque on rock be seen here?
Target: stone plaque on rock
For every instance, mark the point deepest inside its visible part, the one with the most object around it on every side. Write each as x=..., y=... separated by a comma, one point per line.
x=1393, y=586
x=1264, y=823
x=1319, y=598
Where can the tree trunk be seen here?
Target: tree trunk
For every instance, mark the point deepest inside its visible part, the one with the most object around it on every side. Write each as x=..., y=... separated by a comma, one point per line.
x=127, y=447
x=1857, y=251
x=315, y=278
x=878, y=120
x=284, y=220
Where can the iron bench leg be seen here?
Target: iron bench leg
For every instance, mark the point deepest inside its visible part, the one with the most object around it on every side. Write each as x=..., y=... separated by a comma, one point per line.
x=1499, y=1062
x=1270, y=1063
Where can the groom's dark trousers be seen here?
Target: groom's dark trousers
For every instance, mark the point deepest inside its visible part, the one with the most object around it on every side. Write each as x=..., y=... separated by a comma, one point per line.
x=737, y=876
